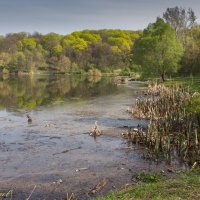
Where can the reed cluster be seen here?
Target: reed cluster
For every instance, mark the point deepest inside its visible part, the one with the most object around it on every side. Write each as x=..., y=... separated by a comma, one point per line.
x=161, y=101
x=95, y=130
x=171, y=130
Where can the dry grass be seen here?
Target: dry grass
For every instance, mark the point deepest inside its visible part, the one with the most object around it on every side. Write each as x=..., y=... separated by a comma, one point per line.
x=95, y=130
x=171, y=128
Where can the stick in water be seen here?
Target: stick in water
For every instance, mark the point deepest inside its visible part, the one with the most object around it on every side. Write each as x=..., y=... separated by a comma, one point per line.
x=31, y=193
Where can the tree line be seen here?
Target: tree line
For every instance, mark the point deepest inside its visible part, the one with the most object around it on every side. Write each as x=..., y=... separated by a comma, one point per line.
x=170, y=45
x=105, y=50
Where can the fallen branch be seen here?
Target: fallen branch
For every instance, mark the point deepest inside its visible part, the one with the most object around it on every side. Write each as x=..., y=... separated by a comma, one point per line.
x=67, y=150
x=98, y=187
x=80, y=169
x=31, y=193
x=71, y=197
x=131, y=148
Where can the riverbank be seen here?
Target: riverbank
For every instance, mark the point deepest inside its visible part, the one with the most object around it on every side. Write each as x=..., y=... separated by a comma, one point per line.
x=185, y=185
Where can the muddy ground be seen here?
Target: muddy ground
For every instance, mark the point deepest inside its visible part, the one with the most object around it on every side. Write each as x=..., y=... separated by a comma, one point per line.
x=81, y=176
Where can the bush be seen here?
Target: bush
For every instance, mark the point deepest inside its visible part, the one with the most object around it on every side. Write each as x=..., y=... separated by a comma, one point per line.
x=148, y=178
x=5, y=71
x=94, y=72
x=106, y=70
x=125, y=72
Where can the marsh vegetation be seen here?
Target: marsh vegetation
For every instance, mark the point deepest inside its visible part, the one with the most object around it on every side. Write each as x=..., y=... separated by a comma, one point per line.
x=172, y=129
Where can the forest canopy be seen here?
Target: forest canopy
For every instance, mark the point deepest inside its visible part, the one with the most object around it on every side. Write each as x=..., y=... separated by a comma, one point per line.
x=177, y=46
x=105, y=50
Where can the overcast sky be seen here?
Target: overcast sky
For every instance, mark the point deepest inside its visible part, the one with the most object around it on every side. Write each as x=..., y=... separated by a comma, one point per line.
x=66, y=16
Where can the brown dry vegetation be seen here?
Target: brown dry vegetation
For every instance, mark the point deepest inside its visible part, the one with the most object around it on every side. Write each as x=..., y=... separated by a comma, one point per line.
x=171, y=128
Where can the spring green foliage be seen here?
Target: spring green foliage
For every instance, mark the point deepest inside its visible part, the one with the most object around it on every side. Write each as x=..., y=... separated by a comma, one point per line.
x=158, y=51
x=28, y=43
x=125, y=72
x=57, y=50
x=148, y=178
x=191, y=59
x=184, y=23
x=105, y=50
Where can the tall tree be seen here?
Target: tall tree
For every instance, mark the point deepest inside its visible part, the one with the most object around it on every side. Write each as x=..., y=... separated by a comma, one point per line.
x=181, y=20
x=191, y=59
x=158, y=51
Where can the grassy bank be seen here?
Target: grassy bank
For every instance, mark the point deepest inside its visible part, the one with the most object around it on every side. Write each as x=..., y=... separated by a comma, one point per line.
x=184, y=186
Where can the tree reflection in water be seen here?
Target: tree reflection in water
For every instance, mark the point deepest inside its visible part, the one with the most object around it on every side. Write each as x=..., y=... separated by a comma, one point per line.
x=30, y=92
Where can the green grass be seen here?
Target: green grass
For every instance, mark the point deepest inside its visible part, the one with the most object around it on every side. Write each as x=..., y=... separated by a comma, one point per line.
x=184, y=186
x=194, y=106
x=194, y=85
x=148, y=178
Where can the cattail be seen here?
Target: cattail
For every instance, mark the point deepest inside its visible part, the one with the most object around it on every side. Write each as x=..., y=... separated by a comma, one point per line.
x=170, y=125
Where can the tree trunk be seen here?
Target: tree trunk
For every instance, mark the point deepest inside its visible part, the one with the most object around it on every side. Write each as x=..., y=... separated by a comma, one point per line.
x=163, y=77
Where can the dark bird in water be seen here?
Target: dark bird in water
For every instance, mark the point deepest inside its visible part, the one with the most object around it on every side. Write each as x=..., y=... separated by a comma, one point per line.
x=29, y=118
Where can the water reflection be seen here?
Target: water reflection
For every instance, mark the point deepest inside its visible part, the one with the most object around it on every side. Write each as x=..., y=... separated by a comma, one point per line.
x=30, y=92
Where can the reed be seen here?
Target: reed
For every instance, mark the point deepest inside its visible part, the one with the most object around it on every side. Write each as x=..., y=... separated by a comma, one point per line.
x=171, y=129
x=95, y=130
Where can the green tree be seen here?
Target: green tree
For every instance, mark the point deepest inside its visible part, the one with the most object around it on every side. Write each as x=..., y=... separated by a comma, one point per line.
x=88, y=36
x=191, y=59
x=20, y=46
x=75, y=42
x=79, y=44
x=180, y=18
x=57, y=50
x=18, y=62
x=50, y=41
x=158, y=51
x=4, y=59
x=28, y=43
x=121, y=43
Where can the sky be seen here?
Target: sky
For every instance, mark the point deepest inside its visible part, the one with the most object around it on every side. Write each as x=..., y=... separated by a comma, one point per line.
x=66, y=16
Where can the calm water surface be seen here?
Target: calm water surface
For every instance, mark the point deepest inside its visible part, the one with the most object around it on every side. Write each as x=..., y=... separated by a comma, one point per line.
x=63, y=109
